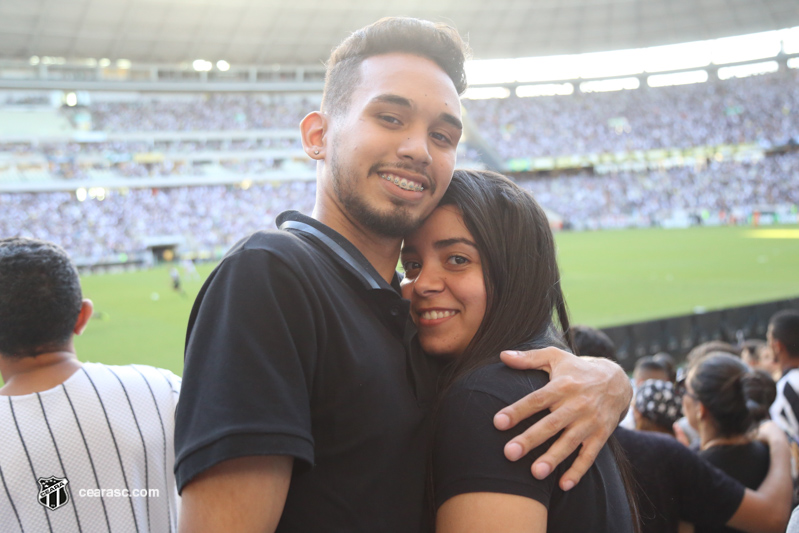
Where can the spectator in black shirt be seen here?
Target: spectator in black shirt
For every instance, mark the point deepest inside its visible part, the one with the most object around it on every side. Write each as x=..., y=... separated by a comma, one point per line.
x=724, y=400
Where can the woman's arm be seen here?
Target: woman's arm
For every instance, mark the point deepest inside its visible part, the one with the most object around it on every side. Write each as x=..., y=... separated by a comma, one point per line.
x=488, y=512
x=769, y=508
x=473, y=482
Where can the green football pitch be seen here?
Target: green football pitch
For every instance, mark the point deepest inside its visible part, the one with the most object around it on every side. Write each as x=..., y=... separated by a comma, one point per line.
x=610, y=277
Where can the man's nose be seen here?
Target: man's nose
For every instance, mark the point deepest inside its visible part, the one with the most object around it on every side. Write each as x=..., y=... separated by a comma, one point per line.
x=415, y=147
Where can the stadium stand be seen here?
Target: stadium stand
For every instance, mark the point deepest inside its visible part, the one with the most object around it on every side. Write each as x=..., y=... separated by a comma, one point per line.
x=207, y=218
x=213, y=217
x=711, y=193
x=736, y=111
x=721, y=152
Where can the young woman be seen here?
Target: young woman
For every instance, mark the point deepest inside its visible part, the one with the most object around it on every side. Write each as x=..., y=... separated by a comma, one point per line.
x=481, y=275
x=724, y=400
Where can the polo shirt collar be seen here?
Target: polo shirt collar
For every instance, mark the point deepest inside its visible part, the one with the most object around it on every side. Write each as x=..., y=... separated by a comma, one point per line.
x=342, y=250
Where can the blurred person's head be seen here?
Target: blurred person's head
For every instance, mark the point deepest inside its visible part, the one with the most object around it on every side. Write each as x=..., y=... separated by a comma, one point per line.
x=593, y=342
x=757, y=355
x=705, y=348
x=389, y=126
x=783, y=338
x=724, y=397
x=41, y=304
x=656, y=406
x=647, y=368
x=752, y=351
x=667, y=362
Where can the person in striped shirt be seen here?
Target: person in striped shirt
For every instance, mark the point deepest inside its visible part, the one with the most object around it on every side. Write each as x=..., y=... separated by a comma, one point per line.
x=83, y=446
x=783, y=340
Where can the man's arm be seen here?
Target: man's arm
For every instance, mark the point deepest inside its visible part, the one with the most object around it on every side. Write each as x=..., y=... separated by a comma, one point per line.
x=769, y=508
x=587, y=398
x=245, y=494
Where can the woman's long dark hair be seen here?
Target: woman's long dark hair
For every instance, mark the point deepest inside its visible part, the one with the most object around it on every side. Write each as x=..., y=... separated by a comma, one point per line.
x=520, y=270
x=736, y=396
x=521, y=275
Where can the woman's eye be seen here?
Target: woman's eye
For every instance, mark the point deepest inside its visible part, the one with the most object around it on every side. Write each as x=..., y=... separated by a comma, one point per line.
x=410, y=266
x=457, y=260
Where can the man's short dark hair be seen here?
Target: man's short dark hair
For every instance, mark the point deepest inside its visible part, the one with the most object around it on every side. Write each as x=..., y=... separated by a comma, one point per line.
x=40, y=297
x=785, y=328
x=435, y=41
x=667, y=361
x=594, y=342
x=648, y=364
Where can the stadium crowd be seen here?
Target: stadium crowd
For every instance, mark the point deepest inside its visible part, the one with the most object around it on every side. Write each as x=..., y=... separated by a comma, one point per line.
x=214, y=217
x=217, y=112
x=735, y=111
x=283, y=332
x=208, y=218
x=644, y=199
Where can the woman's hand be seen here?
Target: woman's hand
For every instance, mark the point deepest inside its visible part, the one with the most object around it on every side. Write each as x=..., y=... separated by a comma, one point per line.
x=588, y=397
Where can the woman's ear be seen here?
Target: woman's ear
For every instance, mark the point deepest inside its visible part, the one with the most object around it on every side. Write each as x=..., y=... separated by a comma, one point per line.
x=703, y=412
x=313, y=129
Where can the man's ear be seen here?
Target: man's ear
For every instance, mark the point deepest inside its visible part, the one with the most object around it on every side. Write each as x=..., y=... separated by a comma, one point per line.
x=86, y=310
x=313, y=129
x=777, y=348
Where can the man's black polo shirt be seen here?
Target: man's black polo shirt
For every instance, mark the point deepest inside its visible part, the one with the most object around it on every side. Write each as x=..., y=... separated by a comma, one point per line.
x=296, y=346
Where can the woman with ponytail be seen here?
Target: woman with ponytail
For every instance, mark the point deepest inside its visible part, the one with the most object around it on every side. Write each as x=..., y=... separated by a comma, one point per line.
x=481, y=274
x=725, y=401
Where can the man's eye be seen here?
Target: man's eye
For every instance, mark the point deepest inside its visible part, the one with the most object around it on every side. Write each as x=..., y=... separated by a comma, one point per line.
x=441, y=137
x=390, y=119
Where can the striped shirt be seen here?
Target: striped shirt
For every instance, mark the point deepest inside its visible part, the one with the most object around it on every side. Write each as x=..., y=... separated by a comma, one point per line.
x=92, y=454
x=785, y=408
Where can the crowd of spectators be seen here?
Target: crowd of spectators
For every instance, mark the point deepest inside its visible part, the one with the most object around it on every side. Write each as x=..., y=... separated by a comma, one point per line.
x=643, y=199
x=761, y=109
x=180, y=158
x=714, y=410
x=208, y=218
x=215, y=216
x=216, y=112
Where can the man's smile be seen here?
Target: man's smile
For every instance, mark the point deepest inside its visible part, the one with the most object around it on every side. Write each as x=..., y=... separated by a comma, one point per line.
x=402, y=183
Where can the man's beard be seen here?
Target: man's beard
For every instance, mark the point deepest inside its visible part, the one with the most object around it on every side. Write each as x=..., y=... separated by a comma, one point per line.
x=394, y=223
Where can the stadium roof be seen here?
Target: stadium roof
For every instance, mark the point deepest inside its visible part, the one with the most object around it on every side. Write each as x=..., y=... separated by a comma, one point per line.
x=304, y=31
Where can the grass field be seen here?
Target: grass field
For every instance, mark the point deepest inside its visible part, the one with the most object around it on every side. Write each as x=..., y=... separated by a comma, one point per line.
x=610, y=277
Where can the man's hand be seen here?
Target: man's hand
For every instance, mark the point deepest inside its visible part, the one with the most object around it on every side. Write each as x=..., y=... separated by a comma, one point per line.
x=587, y=396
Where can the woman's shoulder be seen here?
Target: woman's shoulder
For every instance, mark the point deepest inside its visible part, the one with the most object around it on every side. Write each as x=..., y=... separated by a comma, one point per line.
x=501, y=381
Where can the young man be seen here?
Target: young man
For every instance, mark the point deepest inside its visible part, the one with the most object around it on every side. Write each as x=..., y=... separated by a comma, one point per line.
x=83, y=446
x=305, y=402
x=783, y=341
